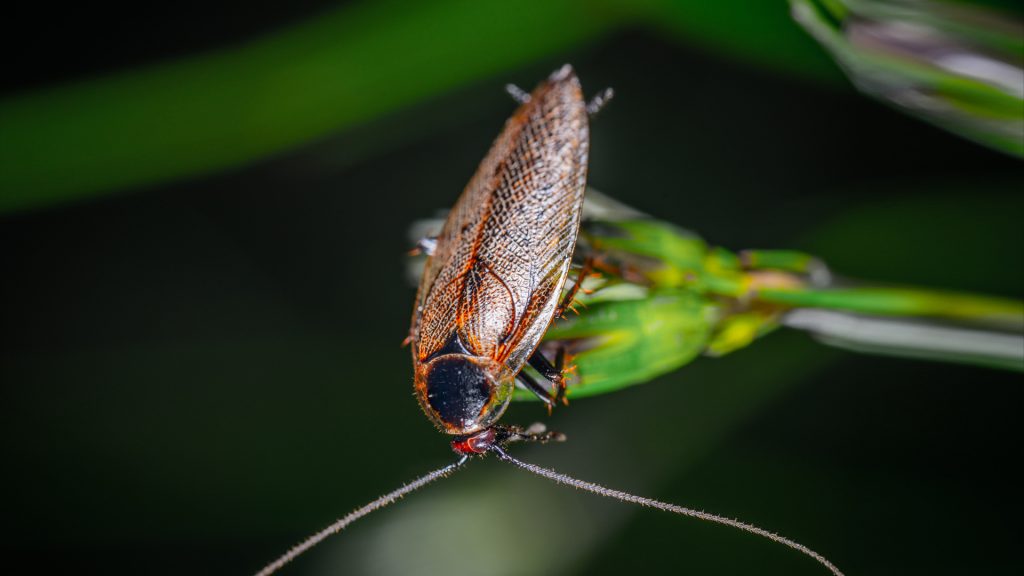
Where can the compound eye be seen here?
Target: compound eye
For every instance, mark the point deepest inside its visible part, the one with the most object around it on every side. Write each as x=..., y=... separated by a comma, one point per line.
x=458, y=390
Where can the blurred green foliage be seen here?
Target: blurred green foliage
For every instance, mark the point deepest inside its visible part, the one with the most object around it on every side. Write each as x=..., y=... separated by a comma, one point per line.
x=227, y=108
x=223, y=109
x=956, y=65
x=345, y=68
x=196, y=377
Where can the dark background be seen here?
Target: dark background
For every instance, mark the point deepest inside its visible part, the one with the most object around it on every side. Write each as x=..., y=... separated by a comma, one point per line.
x=195, y=375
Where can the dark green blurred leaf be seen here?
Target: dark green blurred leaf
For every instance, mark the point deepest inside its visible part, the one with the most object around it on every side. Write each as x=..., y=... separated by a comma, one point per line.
x=224, y=109
x=754, y=30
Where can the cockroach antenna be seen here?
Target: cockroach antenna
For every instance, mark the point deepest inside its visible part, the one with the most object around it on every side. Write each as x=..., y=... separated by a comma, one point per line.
x=634, y=499
x=558, y=477
x=341, y=523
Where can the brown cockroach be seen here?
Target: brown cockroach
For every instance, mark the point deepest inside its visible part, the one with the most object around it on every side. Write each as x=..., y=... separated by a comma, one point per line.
x=495, y=276
x=492, y=285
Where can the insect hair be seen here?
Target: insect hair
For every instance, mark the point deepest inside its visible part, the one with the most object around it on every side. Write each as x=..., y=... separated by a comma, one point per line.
x=558, y=477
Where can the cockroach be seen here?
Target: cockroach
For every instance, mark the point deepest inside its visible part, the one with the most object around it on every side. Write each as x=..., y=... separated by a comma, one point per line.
x=493, y=283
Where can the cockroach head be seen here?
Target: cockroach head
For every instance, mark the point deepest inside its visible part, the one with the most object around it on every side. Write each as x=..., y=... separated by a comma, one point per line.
x=463, y=394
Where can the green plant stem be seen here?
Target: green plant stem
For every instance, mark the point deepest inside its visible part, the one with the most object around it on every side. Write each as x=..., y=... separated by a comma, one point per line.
x=908, y=302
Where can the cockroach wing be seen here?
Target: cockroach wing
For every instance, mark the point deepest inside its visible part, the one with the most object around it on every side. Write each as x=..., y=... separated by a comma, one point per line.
x=502, y=258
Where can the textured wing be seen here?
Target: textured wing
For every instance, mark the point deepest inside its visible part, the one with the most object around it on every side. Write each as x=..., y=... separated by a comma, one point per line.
x=503, y=255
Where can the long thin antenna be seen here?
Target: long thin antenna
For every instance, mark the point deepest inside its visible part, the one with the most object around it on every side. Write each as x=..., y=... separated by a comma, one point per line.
x=634, y=499
x=357, y=514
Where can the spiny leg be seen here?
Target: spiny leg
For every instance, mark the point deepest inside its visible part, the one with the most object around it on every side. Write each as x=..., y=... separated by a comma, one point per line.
x=566, y=303
x=527, y=382
x=603, y=263
x=536, y=432
x=555, y=374
x=541, y=364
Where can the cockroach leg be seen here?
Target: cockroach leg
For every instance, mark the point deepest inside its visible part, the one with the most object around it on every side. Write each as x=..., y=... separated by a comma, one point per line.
x=425, y=245
x=567, y=301
x=621, y=270
x=540, y=364
x=518, y=94
x=527, y=382
x=560, y=384
x=555, y=373
x=536, y=432
x=599, y=100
